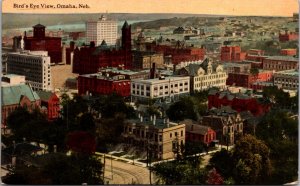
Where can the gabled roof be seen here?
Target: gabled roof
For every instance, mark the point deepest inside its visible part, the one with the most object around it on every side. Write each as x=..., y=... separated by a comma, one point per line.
x=44, y=95
x=11, y=95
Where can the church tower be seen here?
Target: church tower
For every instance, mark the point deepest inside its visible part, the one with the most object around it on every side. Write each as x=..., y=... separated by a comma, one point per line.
x=126, y=37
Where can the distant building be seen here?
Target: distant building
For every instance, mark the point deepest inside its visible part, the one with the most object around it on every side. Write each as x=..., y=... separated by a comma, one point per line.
x=13, y=79
x=288, y=52
x=256, y=52
x=160, y=87
x=288, y=79
x=40, y=42
x=295, y=17
x=227, y=123
x=34, y=65
x=195, y=132
x=232, y=54
x=162, y=137
x=129, y=74
x=14, y=96
x=288, y=36
x=144, y=60
x=100, y=30
x=279, y=63
x=205, y=75
x=237, y=101
x=89, y=59
x=246, y=79
x=181, y=30
x=236, y=67
x=49, y=103
x=102, y=83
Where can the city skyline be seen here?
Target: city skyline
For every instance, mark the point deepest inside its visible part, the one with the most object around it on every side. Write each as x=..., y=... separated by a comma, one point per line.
x=213, y=7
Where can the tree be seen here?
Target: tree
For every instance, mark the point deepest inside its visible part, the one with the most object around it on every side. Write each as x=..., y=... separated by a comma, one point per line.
x=222, y=162
x=182, y=109
x=251, y=160
x=81, y=142
x=214, y=178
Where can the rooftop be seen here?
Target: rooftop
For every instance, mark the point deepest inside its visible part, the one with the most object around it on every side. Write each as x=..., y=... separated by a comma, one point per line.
x=165, y=79
x=159, y=123
x=292, y=72
x=283, y=58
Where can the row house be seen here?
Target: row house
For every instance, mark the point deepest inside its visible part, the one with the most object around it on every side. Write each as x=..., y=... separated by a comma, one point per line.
x=279, y=63
x=232, y=54
x=288, y=79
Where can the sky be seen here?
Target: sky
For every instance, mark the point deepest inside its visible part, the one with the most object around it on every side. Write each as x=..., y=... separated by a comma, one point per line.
x=215, y=7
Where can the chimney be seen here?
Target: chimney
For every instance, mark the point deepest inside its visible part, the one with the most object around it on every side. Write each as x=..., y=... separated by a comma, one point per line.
x=13, y=160
x=152, y=71
x=72, y=45
x=174, y=68
x=64, y=56
x=141, y=119
x=154, y=119
x=139, y=115
x=151, y=118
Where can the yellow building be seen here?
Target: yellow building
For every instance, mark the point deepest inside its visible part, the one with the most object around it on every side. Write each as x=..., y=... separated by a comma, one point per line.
x=161, y=137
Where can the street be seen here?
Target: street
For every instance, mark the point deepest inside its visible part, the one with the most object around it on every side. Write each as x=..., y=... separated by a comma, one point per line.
x=125, y=173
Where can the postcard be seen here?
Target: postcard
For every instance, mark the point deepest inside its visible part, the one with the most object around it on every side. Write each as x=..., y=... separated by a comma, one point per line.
x=166, y=92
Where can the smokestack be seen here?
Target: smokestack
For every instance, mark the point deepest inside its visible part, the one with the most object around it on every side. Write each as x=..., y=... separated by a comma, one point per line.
x=141, y=119
x=64, y=56
x=174, y=68
x=151, y=118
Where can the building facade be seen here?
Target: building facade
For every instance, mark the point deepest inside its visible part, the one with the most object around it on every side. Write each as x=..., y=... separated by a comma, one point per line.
x=246, y=79
x=232, y=54
x=288, y=36
x=14, y=96
x=237, y=101
x=89, y=59
x=144, y=60
x=49, y=102
x=279, y=63
x=288, y=52
x=205, y=75
x=160, y=87
x=227, y=125
x=34, y=65
x=40, y=42
x=161, y=137
x=195, y=132
x=100, y=30
x=101, y=83
x=288, y=79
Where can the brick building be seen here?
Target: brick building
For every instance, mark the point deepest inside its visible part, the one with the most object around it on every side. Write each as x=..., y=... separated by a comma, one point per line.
x=237, y=101
x=50, y=102
x=102, y=83
x=246, y=79
x=279, y=63
x=129, y=74
x=288, y=79
x=40, y=42
x=144, y=60
x=195, y=132
x=14, y=96
x=288, y=36
x=232, y=54
x=178, y=53
x=288, y=52
x=89, y=59
x=161, y=136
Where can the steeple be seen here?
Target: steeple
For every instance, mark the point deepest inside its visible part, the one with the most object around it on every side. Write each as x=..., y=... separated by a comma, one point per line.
x=125, y=25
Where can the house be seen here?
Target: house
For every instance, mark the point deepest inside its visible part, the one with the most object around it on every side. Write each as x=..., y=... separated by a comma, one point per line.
x=227, y=124
x=195, y=132
x=50, y=101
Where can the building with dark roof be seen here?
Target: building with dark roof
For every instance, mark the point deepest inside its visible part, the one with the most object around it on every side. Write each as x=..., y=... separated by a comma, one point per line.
x=40, y=42
x=50, y=101
x=237, y=101
x=279, y=63
x=14, y=96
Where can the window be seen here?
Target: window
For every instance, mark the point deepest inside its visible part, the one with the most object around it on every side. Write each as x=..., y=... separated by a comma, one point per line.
x=181, y=133
x=160, y=138
x=175, y=133
x=171, y=135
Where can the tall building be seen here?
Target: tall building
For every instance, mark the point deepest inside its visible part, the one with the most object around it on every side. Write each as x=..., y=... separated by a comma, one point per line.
x=34, y=65
x=100, y=30
x=232, y=53
x=40, y=42
x=89, y=59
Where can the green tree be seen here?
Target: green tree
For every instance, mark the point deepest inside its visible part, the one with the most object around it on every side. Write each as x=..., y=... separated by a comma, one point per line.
x=222, y=161
x=182, y=109
x=251, y=160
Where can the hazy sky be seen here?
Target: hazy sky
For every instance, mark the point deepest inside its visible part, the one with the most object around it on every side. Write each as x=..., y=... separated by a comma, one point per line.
x=224, y=7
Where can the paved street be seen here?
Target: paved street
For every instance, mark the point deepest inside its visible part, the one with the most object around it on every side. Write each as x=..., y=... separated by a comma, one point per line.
x=125, y=173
